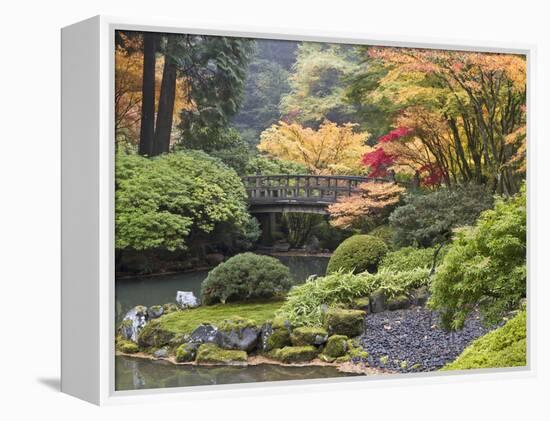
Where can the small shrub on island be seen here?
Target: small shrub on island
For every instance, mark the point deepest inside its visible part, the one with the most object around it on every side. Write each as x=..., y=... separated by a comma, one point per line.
x=245, y=276
x=357, y=254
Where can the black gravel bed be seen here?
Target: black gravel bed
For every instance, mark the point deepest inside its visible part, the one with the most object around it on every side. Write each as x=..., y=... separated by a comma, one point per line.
x=410, y=340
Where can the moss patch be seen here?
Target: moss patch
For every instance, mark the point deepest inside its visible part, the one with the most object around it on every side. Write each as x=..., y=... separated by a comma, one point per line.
x=503, y=347
x=213, y=354
x=185, y=321
x=127, y=347
x=344, y=322
x=236, y=323
x=302, y=336
x=295, y=354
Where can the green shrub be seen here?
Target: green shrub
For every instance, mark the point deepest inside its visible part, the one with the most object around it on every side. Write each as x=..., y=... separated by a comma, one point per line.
x=428, y=219
x=162, y=202
x=304, y=303
x=245, y=276
x=503, y=347
x=409, y=258
x=485, y=266
x=358, y=253
x=385, y=233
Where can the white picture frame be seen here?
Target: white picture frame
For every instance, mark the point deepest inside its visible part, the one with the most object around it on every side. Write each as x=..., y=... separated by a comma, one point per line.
x=88, y=212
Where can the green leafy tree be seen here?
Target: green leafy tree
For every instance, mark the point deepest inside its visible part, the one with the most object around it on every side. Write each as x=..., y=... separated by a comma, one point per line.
x=485, y=266
x=317, y=83
x=165, y=201
x=427, y=219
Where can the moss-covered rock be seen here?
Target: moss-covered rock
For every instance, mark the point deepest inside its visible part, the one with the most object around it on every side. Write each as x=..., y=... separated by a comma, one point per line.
x=306, y=335
x=295, y=354
x=238, y=333
x=186, y=352
x=155, y=312
x=356, y=352
x=154, y=335
x=399, y=302
x=279, y=338
x=378, y=301
x=169, y=308
x=128, y=347
x=344, y=322
x=212, y=354
x=361, y=303
x=337, y=346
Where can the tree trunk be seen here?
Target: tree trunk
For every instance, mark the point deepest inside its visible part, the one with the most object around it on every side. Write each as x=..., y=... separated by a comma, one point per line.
x=166, y=101
x=147, y=129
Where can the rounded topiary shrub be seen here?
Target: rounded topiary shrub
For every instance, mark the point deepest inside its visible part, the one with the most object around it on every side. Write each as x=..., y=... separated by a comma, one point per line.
x=245, y=276
x=358, y=253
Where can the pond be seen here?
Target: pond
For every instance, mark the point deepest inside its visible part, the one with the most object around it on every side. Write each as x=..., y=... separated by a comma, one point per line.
x=135, y=373
x=151, y=290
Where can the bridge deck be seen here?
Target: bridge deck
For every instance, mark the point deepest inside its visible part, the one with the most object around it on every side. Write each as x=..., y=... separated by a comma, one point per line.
x=300, y=193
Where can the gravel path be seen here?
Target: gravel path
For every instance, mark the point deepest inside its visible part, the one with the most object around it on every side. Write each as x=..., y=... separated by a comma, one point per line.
x=410, y=341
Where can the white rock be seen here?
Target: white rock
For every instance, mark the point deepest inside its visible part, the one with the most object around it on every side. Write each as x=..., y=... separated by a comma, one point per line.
x=186, y=299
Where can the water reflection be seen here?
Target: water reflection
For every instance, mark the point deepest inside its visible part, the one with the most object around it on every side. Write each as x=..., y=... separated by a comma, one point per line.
x=134, y=373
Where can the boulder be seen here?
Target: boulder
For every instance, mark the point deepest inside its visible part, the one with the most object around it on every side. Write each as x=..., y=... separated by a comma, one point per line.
x=155, y=312
x=161, y=353
x=186, y=352
x=238, y=333
x=213, y=354
x=132, y=324
x=205, y=333
x=214, y=259
x=154, y=334
x=186, y=299
x=345, y=322
x=398, y=303
x=378, y=301
x=302, y=336
x=273, y=337
x=337, y=346
x=295, y=354
x=361, y=303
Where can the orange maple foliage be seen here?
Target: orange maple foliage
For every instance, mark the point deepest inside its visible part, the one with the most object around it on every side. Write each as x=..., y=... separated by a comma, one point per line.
x=372, y=200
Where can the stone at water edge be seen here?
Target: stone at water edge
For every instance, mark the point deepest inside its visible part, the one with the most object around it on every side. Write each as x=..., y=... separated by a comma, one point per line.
x=134, y=321
x=186, y=299
x=313, y=245
x=161, y=353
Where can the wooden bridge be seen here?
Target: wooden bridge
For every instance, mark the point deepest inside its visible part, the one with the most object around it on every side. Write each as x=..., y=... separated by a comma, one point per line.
x=299, y=193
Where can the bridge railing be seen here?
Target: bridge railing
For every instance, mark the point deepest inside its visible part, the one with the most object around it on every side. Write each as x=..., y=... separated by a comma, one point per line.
x=305, y=188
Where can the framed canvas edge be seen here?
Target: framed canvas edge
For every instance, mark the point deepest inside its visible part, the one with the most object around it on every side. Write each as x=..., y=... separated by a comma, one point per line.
x=108, y=394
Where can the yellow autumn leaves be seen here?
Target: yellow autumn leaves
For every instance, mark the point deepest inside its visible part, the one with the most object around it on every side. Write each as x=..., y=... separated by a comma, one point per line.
x=332, y=149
